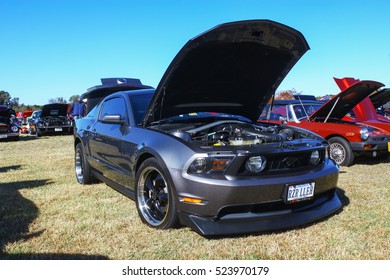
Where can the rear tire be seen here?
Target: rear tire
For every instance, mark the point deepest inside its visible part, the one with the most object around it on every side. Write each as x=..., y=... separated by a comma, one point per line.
x=82, y=169
x=154, y=195
x=341, y=151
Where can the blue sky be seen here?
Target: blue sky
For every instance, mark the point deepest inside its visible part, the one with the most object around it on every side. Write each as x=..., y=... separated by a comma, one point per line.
x=60, y=48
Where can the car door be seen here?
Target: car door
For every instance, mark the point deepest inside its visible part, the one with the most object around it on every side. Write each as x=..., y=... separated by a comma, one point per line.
x=105, y=141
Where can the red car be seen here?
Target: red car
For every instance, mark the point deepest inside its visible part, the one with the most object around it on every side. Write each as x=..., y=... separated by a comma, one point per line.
x=347, y=138
x=366, y=110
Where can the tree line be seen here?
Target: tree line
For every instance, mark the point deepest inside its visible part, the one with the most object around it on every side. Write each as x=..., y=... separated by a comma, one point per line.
x=7, y=100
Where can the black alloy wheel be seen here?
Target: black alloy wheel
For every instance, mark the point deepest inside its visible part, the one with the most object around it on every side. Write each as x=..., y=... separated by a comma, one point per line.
x=154, y=197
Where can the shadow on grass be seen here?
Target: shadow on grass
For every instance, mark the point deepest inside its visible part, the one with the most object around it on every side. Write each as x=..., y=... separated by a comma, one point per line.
x=16, y=215
x=27, y=137
x=51, y=257
x=9, y=168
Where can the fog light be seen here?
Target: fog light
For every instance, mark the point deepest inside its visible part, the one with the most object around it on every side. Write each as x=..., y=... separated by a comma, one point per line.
x=198, y=165
x=256, y=164
x=315, y=157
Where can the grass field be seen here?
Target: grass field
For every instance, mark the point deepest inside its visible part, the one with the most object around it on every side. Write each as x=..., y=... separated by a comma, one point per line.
x=45, y=214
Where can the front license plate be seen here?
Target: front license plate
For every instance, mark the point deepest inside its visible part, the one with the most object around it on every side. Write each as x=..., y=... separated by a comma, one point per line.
x=3, y=136
x=58, y=129
x=300, y=192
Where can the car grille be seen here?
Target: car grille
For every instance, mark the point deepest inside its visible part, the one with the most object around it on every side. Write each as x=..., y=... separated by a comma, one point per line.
x=3, y=129
x=380, y=139
x=285, y=162
x=56, y=123
x=269, y=207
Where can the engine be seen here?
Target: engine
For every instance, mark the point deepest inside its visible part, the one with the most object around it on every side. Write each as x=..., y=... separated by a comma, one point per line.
x=235, y=133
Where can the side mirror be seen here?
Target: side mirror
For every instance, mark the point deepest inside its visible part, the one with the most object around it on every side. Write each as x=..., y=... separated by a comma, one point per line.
x=113, y=119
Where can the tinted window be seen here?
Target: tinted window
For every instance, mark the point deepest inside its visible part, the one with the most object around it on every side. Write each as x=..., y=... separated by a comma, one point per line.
x=114, y=106
x=139, y=104
x=278, y=111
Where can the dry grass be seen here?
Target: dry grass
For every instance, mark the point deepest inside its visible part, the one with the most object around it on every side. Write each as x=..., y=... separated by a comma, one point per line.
x=45, y=214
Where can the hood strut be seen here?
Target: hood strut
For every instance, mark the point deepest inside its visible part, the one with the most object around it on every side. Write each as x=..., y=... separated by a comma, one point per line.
x=331, y=110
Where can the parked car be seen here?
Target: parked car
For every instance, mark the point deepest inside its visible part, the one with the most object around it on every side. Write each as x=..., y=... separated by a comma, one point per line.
x=348, y=139
x=110, y=85
x=9, y=129
x=53, y=119
x=366, y=111
x=192, y=151
x=32, y=120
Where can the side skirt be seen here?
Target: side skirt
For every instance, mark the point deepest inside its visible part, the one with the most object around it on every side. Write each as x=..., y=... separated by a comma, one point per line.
x=119, y=188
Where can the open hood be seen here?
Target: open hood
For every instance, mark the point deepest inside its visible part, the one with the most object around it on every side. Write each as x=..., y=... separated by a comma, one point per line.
x=380, y=98
x=6, y=111
x=54, y=110
x=233, y=68
x=341, y=104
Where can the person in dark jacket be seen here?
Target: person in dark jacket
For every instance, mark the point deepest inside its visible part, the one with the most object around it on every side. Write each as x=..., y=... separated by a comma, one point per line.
x=77, y=110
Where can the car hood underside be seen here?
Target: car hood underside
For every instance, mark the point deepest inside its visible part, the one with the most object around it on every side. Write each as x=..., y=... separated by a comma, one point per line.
x=233, y=68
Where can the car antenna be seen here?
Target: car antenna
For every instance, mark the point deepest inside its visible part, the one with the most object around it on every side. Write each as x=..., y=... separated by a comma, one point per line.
x=304, y=109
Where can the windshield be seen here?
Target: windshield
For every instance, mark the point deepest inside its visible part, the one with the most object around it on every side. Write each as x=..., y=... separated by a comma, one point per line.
x=296, y=111
x=139, y=104
x=305, y=110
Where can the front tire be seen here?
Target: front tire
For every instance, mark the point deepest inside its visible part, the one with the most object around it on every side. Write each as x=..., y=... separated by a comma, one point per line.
x=155, y=198
x=38, y=133
x=341, y=152
x=82, y=168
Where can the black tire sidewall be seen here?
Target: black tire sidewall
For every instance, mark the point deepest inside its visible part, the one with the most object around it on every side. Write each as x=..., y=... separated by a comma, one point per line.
x=171, y=218
x=349, y=156
x=87, y=176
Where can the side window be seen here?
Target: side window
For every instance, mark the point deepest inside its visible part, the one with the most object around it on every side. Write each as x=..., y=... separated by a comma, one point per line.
x=114, y=106
x=278, y=112
x=93, y=113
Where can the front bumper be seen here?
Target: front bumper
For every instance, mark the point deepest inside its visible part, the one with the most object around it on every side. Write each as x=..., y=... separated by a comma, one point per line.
x=251, y=204
x=250, y=222
x=370, y=146
x=219, y=194
x=9, y=135
x=56, y=129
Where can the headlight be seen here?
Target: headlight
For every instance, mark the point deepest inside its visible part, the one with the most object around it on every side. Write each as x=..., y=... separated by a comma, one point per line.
x=207, y=165
x=364, y=133
x=39, y=124
x=198, y=166
x=315, y=157
x=255, y=164
x=14, y=129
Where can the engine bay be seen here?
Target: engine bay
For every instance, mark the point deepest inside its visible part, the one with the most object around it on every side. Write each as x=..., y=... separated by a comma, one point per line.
x=235, y=133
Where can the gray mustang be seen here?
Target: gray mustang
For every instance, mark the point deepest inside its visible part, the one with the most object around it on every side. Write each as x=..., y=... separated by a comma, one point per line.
x=192, y=151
